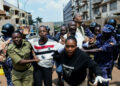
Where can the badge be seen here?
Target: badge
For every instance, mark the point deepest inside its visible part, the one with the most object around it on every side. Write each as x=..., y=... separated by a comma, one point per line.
x=43, y=57
x=48, y=48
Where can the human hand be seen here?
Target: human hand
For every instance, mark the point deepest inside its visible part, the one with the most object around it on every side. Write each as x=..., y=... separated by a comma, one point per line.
x=68, y=34
x=2, y=58
x=36, y=59
x=62, y=40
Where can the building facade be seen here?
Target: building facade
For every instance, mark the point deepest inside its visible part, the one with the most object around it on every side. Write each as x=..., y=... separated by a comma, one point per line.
x=97, y=10
x=14, y=14
x=69, y=11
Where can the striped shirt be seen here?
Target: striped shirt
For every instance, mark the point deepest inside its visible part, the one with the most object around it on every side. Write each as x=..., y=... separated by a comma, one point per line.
x=44, y=52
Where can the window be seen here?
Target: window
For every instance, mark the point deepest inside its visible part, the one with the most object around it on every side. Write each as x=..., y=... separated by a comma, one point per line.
x=24, y=21
x=113, y=5
x=104, y=8
x=17, y=21
x=96, y=10
x=12, y=12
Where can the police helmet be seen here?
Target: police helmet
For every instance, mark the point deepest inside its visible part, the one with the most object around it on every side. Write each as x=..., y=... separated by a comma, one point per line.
x=48, y=28
x=7, y=29
x=112, y=22
x=92, y=26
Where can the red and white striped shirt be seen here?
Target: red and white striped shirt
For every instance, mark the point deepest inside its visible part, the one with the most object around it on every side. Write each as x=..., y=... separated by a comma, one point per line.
x=44, y=52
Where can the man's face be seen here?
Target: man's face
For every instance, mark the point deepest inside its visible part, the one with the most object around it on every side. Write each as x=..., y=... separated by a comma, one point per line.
x=63, y=30
x=17, y=39
x=72, y=28
x=42, y=32
x=97, y=30
x=78, y=18
x=70, y=47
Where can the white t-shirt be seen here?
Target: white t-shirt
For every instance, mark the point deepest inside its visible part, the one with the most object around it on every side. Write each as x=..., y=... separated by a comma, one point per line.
x=79, y=39
x=44, y=52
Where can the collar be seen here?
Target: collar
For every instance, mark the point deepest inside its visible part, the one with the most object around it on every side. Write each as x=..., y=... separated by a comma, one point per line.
x=23, y=43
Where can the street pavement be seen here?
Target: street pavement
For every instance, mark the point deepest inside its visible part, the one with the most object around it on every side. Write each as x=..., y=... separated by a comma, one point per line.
x=114, y=82
x=115, y=77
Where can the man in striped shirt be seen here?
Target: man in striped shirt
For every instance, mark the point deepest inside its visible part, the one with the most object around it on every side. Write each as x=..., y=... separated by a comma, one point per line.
x=44, y=48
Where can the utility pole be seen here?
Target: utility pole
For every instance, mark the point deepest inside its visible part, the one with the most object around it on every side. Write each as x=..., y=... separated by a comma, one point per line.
x=18, y=3
x=90, y=3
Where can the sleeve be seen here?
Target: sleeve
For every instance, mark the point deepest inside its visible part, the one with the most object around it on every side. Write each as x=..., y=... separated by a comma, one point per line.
x=57, y=57
x=108, y=47
x=14, y=56
x=92, y=65
x=59, y=47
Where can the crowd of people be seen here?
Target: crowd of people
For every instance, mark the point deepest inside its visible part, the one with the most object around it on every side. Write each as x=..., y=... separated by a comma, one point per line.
x=78, y=51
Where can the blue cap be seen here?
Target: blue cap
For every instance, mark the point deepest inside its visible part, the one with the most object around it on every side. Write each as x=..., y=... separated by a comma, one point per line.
x=91, y=36
x=108, y=28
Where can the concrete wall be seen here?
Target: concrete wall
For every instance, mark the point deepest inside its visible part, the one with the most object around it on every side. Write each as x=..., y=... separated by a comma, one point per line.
x=1, y=4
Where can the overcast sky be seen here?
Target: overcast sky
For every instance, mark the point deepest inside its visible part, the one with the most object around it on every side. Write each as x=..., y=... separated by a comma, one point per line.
x=49, y=10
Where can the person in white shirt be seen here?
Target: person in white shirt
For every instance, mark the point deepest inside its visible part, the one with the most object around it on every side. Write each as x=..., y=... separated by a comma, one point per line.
x=78, y=20
x=73, y=31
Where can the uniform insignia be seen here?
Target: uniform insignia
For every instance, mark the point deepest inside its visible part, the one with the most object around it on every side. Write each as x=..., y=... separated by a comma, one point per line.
x=48, y=48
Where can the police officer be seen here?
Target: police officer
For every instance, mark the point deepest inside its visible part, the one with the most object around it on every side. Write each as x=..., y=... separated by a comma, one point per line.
x=112, y=22
x=7, y=31
x=19, y=51
x=92, y=26
x=118, y=41
x=104, y=51
x=115, y=33
x=90, y=31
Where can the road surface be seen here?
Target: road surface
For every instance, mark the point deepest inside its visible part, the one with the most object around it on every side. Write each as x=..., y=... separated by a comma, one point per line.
x=114, y=82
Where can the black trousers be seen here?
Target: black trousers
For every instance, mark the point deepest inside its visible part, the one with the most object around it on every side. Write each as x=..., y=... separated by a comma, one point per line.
x=42, y=74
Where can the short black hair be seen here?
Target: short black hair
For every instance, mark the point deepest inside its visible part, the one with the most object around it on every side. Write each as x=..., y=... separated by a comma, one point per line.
x=43, y=27
x=76, y=14
x=71, y=38
x=18, y=33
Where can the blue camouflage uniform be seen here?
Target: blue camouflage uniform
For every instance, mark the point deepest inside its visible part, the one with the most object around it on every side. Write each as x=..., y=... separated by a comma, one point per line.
x=7, y=66
x=105, y=57
x=88, y=33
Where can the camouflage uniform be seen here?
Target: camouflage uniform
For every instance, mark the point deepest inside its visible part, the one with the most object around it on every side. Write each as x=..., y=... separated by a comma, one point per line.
x=22, y=74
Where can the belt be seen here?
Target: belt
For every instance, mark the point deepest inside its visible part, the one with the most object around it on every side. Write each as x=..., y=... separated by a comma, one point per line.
x=21, y=70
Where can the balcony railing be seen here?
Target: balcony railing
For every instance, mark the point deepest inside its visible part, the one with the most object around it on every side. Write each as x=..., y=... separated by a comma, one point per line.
x=97, y=1
x=106, y=1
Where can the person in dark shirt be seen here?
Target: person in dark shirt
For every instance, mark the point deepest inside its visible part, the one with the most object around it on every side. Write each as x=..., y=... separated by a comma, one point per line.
x=74, y=63
x=63, y=31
